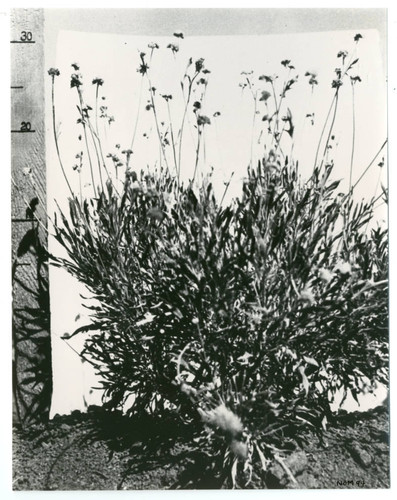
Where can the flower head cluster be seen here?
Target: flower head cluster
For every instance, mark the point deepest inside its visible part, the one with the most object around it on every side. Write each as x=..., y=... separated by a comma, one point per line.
x=325, y=275
x=143, y=67
x=223, y=419
x=76, y=80
x=127, y=153
x=336, y=84
x=53, y=72
x=287, y=64
x=78, y=166
x=116, y=160
x=267, y=78
x=199, y=64
x=313, y=78
x=239, y=449
x=343, y=267
x=307, y=295
x=174, y=47
x=343, y=54
x=355, y=79
x=203, y=120
x=265, y=95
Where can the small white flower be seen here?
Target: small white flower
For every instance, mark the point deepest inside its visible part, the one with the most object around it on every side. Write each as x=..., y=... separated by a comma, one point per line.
x=224, y=419
x=325, y=275
x=195, y=321
x=149, y=317
x=307, y=295
x=244, y=358
x=343, y=267
x=239, y=449
x=169, y=201
x=188, y=389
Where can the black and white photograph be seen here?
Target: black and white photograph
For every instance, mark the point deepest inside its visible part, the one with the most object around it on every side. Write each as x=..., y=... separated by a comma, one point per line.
x=199, y=249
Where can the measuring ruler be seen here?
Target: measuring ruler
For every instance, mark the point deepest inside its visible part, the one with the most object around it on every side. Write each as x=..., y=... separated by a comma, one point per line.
x=27, y=119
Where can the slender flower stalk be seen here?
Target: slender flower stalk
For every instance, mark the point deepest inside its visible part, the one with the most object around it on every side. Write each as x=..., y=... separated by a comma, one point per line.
x=98, y=82
x=187, y=102
x=324, y=128
x=369, y=165
x=83, y=122
x=226, y=189
x=336, y=84
x=137, y=115
x=276, y=107
x=96, y=139
x=199, y=134
x=98, y=149
x=254, y=97
x=331, y=128
x=95, y=134
x=53, y=72
x=153, y=106
x=173, y=142
x=353, y=139
x=276, y=135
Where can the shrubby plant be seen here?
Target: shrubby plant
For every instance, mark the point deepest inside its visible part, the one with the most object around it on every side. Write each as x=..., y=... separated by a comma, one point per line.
x=244, y=318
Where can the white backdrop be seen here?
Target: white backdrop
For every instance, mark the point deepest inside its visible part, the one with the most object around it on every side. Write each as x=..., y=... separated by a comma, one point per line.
x=115, y=58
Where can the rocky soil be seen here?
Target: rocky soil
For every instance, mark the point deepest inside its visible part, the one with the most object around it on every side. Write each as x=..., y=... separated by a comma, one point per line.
x=96, y=451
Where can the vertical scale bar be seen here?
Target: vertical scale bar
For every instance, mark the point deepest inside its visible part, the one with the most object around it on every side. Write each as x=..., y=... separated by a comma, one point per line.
x=31, y=339
x=27, y=114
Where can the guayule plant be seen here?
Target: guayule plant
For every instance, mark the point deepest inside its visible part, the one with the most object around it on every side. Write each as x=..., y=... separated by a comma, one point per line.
x=246, y=318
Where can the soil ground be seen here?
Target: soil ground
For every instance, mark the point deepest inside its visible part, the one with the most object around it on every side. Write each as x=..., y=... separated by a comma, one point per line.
x=90, y=452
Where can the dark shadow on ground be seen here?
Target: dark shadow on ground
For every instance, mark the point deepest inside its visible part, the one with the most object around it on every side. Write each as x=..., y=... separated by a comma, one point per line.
x=32, y=371
x=104, y=450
